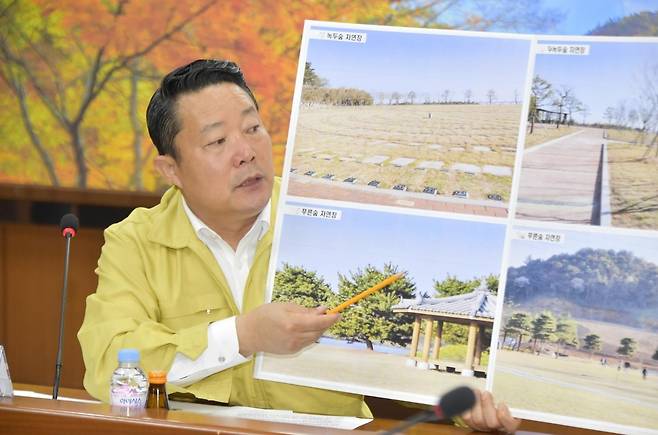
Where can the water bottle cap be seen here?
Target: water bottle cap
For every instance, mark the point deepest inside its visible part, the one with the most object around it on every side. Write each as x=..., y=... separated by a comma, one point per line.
x=128, y=355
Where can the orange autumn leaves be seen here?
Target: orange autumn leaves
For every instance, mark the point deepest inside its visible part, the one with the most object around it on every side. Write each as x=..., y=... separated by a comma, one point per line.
x=77, y=76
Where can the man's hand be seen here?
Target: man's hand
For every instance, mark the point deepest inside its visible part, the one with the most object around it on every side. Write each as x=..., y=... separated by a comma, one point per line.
x=485, y=416
x=281, y=328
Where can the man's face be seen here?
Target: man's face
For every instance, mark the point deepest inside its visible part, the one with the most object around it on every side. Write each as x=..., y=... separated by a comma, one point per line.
x=224, y=165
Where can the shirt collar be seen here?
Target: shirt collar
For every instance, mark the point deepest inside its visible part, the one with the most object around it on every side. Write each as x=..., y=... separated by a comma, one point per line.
x=261, y=224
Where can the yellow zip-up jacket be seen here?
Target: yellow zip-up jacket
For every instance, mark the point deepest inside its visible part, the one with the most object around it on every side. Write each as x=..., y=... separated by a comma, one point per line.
x=159, y=287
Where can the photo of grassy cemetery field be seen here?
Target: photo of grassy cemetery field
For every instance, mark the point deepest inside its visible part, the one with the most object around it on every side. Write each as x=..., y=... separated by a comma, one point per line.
x=450, y=276
x=387, y=122
x=579, y=333
x=591, y=152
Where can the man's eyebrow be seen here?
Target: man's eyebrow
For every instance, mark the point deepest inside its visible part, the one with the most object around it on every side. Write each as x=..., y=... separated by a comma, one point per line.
x=249, y=110
x=211, y=126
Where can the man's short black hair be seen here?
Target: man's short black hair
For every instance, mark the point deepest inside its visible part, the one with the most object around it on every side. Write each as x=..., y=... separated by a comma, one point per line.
x=161, y=119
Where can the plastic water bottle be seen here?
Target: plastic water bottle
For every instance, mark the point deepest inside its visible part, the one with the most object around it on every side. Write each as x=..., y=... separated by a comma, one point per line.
x=129, y=386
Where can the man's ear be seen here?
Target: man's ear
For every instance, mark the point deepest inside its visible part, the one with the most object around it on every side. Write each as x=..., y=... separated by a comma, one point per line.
x=168, y=168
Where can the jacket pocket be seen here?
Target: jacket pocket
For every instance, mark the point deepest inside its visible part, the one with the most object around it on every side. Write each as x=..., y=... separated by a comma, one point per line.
x=192, y=310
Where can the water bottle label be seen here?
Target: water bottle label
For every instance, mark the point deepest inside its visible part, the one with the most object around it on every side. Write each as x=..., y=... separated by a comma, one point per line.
x=128, y=397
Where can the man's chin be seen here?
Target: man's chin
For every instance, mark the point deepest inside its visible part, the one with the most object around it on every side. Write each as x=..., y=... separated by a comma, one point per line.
x=254, y=198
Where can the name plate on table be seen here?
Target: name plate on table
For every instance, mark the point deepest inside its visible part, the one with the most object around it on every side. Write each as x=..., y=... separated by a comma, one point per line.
x=6, y=389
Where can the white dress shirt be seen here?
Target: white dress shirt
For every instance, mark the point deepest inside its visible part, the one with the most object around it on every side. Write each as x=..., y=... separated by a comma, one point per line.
x=223, y=347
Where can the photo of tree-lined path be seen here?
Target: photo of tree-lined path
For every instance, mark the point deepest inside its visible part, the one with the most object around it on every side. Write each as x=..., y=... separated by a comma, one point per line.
x=579, y=333
x=369, y=349
x=591, y=151
x=375, y=127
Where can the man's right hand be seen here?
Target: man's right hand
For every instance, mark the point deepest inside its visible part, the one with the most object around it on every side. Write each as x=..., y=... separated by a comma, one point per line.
x=281, y=328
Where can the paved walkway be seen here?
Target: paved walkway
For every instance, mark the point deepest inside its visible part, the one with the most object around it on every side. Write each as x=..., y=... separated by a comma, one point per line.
x=559, y=179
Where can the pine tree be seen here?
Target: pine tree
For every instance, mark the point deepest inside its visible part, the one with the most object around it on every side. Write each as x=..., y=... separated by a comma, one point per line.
x=301, y=286
x=627, y=347
x=592, y=343
x=371, y=319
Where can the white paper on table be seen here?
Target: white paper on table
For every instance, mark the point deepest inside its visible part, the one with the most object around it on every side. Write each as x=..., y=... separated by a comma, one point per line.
x=25, y=393
x=273, y=415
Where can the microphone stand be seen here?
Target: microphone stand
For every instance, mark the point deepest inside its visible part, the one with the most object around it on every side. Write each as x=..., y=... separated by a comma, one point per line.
x=58, y=364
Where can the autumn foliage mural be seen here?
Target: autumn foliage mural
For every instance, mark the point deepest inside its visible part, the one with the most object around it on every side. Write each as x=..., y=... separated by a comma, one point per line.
x=75, y=77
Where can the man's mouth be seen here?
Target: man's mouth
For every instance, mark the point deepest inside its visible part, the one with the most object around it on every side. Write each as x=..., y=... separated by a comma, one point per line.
x=251, y=181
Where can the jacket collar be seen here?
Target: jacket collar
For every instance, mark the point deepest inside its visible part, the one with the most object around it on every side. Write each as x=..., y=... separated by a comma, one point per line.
x=172, y=228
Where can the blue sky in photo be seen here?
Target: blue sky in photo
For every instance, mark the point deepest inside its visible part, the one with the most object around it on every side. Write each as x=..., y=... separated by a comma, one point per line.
x=578, y=16
x=642, y=247
x=613, y=72
x=428, y=248
x=582, y=16
x=424, y=63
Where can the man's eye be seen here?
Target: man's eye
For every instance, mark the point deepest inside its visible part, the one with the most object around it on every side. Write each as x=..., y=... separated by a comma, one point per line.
x=217, y=142
x=254, y=128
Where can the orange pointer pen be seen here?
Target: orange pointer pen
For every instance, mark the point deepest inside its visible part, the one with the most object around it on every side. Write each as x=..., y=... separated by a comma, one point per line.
x=353, y=300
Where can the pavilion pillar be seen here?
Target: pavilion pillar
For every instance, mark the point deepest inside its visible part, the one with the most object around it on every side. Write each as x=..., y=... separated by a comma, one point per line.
x=470, y=349
x=437, y=341
x=480, y=345
x=427, y=341
x=413, y=350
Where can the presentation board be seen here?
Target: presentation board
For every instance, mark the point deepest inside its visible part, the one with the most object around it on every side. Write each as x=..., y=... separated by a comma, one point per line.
x=512, y=179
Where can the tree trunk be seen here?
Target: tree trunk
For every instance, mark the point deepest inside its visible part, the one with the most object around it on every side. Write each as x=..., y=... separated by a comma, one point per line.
x=78, y=153
x=137, y=180
x=36, y=141
x=369, y=344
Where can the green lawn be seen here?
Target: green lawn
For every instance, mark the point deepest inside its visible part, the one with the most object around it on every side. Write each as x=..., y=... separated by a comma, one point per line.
x=634, y=186
x=576, y=387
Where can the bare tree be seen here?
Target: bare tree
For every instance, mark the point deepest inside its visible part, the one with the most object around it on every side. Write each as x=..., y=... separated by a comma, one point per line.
x=633, y=117
x=563, y=97
x=411, y=96
x=585, y=112
x=468, y=95
x=620, y=114
x=541, y=91
x=491, y=96
x=445, y=95
x=648, y=110
x=609, y=114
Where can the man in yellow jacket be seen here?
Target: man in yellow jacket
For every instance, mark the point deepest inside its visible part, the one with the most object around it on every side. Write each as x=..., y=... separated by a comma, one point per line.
x=184, y=281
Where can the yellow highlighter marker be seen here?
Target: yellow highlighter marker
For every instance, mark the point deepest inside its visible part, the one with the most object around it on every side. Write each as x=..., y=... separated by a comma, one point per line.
x=353, y=300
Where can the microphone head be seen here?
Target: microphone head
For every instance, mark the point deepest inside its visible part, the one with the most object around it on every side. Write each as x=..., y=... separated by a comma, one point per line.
x=69, y=225
x=455, y=402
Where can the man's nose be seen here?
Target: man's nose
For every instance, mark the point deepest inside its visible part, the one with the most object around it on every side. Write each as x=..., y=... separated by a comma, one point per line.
x=244, y=152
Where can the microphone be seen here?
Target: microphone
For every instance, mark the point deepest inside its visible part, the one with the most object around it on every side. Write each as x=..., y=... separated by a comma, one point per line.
x=68, y=225
x=451, y=404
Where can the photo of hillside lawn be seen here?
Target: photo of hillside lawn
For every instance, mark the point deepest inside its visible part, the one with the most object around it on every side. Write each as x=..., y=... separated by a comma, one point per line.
x=447, y=148
x=579, y=333
x=578, y=386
